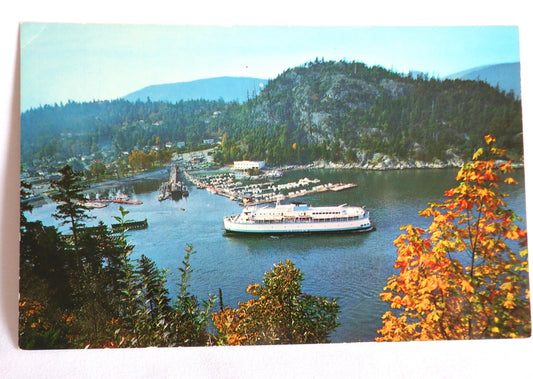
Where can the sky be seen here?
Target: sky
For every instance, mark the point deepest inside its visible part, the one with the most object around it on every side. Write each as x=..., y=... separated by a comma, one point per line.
x=85, y=62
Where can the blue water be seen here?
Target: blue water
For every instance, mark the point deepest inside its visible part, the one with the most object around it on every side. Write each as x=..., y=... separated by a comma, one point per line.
x=352, y=267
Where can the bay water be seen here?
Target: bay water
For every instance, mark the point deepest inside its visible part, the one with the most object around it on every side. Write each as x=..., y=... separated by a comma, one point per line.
x=353, y=267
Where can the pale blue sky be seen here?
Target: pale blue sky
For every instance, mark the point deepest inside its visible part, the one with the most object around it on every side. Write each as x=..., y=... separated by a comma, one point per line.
x=84, y=62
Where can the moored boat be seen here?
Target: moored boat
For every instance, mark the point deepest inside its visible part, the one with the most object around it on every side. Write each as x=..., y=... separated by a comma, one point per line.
x=93, y=204
x=299, y=218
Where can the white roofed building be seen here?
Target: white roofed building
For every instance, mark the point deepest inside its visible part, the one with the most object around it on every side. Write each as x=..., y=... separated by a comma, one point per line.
x=246, y=165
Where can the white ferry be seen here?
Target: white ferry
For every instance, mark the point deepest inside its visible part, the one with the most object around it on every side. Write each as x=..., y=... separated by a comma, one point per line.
x=299, y=218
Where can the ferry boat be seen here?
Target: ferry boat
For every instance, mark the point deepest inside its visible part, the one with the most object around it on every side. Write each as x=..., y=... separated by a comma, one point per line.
x=299, y=218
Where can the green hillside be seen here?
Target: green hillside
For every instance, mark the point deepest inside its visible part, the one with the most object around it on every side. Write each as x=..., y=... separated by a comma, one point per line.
x=342, y=111
x=332, y=111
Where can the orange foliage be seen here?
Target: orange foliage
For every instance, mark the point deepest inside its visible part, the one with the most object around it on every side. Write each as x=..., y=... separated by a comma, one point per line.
x=279, y=313
x=31, y=316
x=459, y=278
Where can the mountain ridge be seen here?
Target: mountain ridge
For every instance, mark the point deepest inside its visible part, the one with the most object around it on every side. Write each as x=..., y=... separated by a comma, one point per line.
x=228, y=88
x=505, y=76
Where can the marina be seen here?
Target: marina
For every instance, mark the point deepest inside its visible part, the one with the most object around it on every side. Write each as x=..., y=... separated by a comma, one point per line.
x=226, y=185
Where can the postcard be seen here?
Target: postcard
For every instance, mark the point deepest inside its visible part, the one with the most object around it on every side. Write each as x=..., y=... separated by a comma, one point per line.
x=269, y=185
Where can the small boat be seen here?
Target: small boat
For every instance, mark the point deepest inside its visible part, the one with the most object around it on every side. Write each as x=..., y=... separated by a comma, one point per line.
x=94, y=204
x=164, y=195
x=126, y=201
x=120, y=198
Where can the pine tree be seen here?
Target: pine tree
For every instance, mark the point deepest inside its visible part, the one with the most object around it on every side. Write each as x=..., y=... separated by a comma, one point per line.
x=69, y=197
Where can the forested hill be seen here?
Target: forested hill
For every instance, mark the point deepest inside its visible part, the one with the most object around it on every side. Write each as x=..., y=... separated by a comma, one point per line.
x=344, y=110
x=335, y=111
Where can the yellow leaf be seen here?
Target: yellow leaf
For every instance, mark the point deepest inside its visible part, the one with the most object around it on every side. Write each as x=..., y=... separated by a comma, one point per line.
x=495, y=330
x=497, y=151
x=406, y=301
x=506, y=286
x=512, y=234
x=386, y=296
x=509, y=302
x=252, y=288
x=477, y=153
x=467, y=287
x=489, y=139
x=491, y=228
x=434, y=316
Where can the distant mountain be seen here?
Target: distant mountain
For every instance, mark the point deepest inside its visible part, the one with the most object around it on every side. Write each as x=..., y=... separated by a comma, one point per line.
x=505, y=76
x=226, y=88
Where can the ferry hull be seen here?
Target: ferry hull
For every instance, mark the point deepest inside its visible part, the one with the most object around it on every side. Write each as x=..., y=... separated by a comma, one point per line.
x=282, y=228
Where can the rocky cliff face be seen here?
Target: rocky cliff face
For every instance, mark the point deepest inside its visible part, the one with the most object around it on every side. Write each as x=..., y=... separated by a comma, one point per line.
x=314, y=97
x=361, y=109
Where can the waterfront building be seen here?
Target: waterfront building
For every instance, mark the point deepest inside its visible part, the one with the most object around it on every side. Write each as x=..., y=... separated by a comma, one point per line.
x=247, y=165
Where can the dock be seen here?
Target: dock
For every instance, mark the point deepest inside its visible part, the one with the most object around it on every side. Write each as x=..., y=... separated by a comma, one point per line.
x=132, y=225
x=101, y=228
x=173, y=188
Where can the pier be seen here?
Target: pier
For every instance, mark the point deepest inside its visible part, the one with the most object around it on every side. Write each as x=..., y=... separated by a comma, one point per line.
x=173, y=188
x=101, y=228
x=132, y=225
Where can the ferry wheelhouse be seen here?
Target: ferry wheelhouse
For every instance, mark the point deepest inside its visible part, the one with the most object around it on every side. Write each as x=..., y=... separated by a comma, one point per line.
x=299, y=218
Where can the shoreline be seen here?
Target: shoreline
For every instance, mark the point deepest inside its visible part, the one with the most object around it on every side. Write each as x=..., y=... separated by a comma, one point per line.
x=151, y=175
x=379, y=162
x=41, y=190
x=387, y=164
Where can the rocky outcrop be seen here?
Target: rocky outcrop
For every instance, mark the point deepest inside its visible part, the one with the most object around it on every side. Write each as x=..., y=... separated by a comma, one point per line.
x=382, y=162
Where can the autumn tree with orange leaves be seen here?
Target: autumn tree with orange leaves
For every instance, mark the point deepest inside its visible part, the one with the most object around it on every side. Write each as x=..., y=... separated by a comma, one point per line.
x=461, y=278
x=278, y=313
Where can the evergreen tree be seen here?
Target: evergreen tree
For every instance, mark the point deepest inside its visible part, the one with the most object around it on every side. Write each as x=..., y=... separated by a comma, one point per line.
x=191, y=320
x=69, y=197
x=155, y=310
